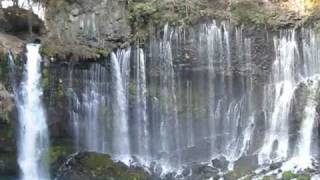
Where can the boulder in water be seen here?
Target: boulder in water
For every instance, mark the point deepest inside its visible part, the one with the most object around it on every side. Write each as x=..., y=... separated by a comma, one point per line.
x=202, y=171
x=220, y=163
x=243, y=167
x=275, y=166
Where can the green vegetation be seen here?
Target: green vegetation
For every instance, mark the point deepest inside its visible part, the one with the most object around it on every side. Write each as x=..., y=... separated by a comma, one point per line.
x=268, y=178
x=133, y=89
x=46, y=79
x=288, y=175
x=8, y=163
x=99, y=165
x=240, y=173
x=251, y=13
x=141, y=13
x=7, y=134
x=102, y=52
x=51, y=50
x=4, y=68
x=57, y=152
x=153, y=14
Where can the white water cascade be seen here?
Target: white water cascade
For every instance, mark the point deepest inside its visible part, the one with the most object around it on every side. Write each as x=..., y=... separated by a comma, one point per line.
x=201, y=94
x=120, y=74
x=276, y=142
x=304, y=154
x=33, y=134
x=142, y=119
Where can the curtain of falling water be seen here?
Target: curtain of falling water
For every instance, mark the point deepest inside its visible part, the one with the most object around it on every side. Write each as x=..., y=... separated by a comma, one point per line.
x=86, y=113
x=157, y=127
x=33, y=133
x=190, y=96
x=290, y=73
x=120, y=77
x=276, y=145
x=142, y=124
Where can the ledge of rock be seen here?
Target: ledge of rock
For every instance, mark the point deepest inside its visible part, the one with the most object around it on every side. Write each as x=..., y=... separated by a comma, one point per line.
x=12, y=43
x=85, y=29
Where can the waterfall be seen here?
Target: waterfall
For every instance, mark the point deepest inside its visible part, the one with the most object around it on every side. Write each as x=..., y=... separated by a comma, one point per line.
x=214, y=45
x=33, y=131
x=286, y=81
x=93, y=98
x=142, y=119
x=226, y=112
x=197, y=94
x=169, y=129
x=305, y=142
x=304, y=155
x=120, y=74
x=86, y=112
x=304, y=158
x=282, y=87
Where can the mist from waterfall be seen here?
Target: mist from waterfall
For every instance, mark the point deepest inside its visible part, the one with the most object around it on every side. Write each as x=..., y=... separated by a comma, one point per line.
x=33, y=130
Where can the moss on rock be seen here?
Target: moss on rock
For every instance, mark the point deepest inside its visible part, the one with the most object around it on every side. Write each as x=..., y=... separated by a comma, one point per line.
x=97, y=166
x=289, y=175
x=58, y=152
x=146, y=15
x=61, y=51
x=8, y=163
x=249, y=12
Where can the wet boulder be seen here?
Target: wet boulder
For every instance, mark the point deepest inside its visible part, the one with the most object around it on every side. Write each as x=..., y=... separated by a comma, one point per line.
x=246, y=163
x=203, y=171
x=275, y=166
x=243, y=167
x=220, y=163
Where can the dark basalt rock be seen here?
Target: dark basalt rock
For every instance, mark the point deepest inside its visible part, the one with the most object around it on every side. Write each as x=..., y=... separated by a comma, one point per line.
x=15, y=29
x=220, y=163
x=16, y=20
x=198, y=172
x=275, y=166
x=85, y=29
x=94, y=166
x=246, y=163
x=8, y=159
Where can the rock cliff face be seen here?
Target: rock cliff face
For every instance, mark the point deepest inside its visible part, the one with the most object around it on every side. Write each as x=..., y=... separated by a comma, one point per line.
x=15, y=29
x=86, y=29
x=8, y=126
x=91, y=30
x=14, y=33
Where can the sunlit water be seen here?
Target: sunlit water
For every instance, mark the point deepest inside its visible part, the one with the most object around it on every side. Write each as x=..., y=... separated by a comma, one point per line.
x=33, y=130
